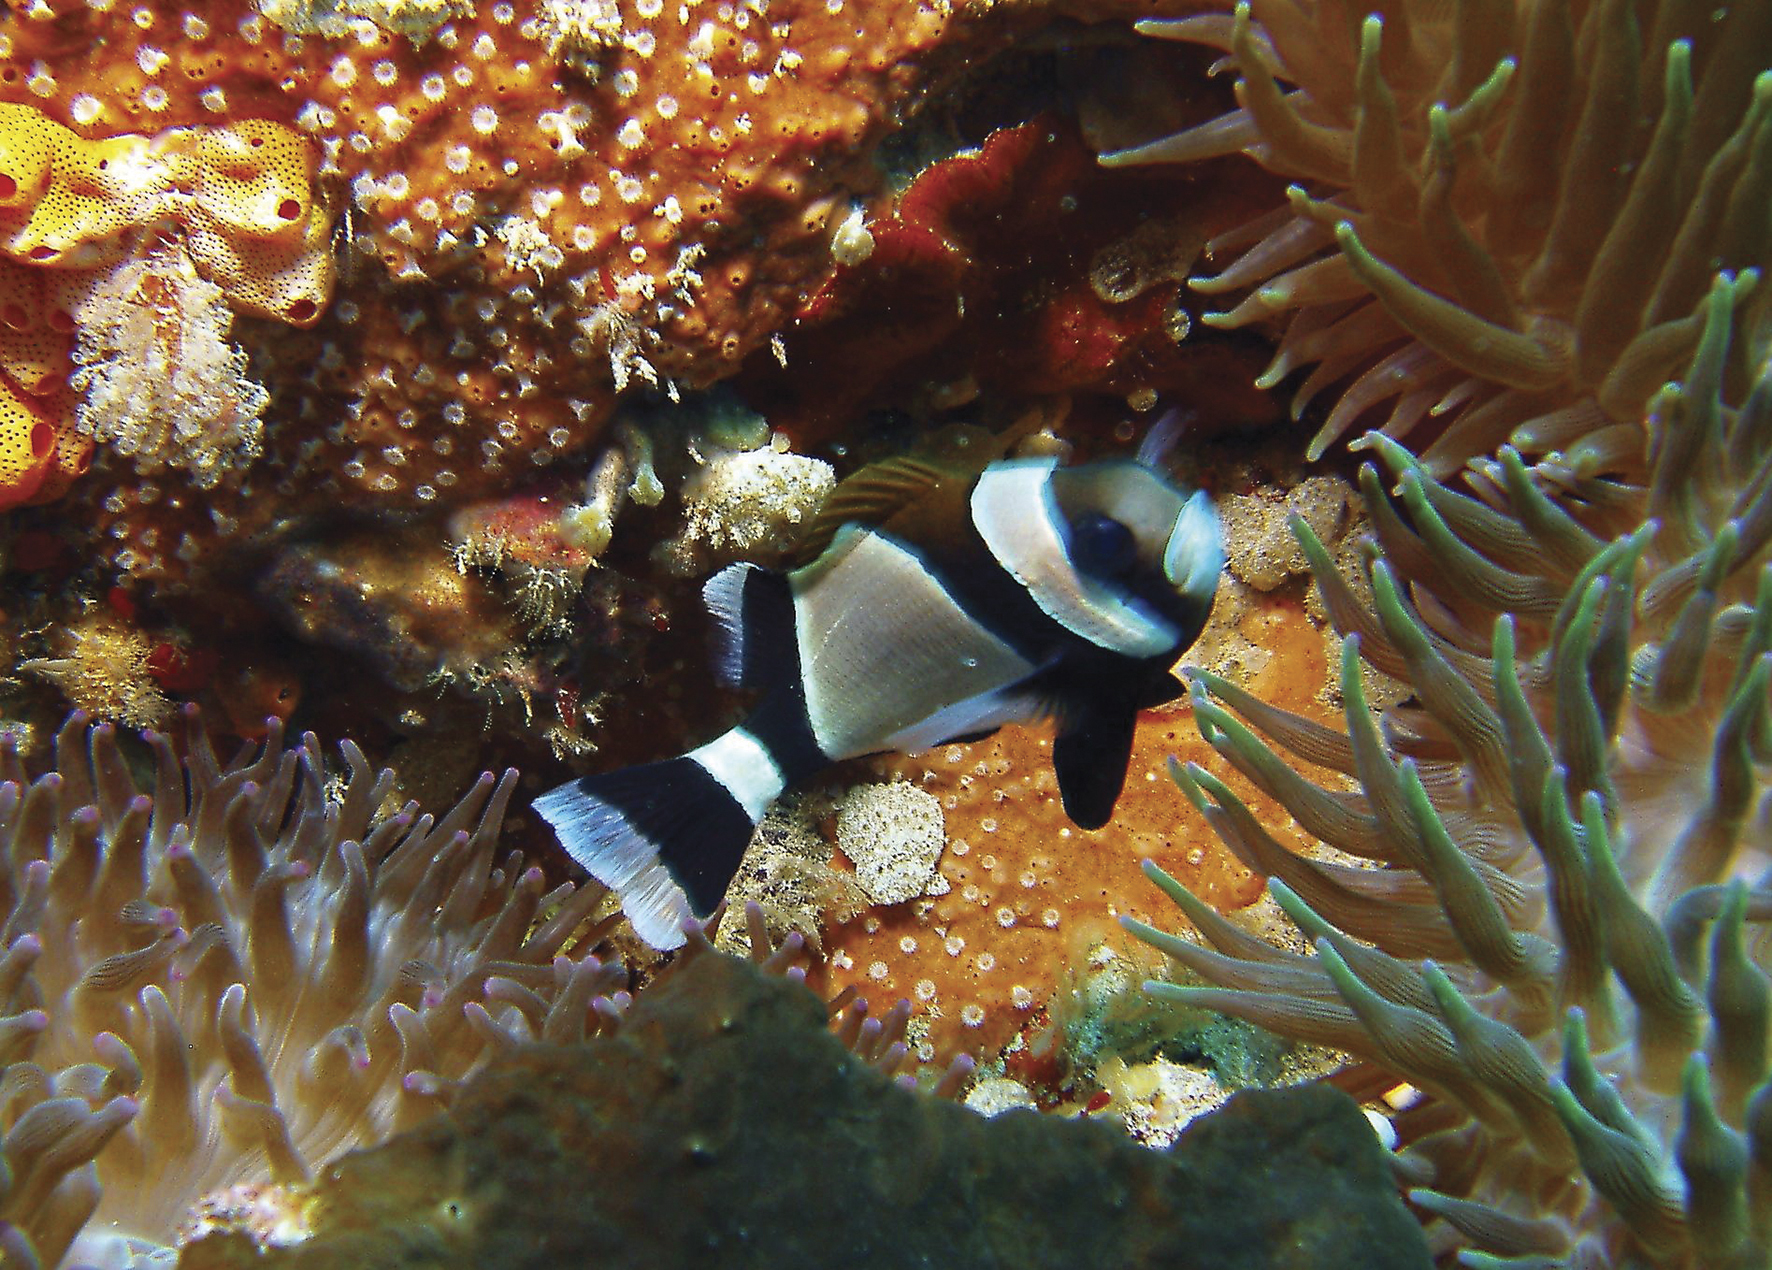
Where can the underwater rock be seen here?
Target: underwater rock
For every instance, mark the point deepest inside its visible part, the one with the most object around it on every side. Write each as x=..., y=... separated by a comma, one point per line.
x=722, y=1119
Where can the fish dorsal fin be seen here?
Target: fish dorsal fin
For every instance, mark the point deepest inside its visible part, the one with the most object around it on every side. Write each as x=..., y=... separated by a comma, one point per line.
x=753, y=612
x=871, y=496
x=724, y=596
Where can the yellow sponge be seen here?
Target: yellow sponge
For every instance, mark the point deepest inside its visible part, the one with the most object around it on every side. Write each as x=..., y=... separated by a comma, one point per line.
x=26, y=144
x=253, y=224
x=95, y=190
x=252, y=178
x=257, y=227
x=35, y=340
x=72, y=453
x=27, y=446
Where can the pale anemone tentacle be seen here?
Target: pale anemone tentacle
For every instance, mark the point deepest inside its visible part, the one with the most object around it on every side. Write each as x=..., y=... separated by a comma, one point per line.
x=1560, y=934
x=1535, y=194
x=228, y=978
x=224, y=982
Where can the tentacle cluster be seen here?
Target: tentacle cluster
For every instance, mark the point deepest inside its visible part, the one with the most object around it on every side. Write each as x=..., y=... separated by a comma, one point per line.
x=1542, y=911
x=1505, y=210
x=224, y=977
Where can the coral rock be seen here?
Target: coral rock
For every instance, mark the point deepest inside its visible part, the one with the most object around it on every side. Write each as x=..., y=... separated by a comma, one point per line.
x=722, y=1120
x=548, y=203
x=1015, y=267
x=399, y=602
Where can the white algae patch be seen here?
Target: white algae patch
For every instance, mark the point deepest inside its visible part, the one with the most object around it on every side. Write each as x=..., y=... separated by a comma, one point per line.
x=994, y=1095
x=893, y=834
x=1260, y=547
x=1156, y=1100
x=747, y=505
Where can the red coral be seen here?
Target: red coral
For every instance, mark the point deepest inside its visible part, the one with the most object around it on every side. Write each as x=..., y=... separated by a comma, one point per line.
x=182, y=670
x=998, y=271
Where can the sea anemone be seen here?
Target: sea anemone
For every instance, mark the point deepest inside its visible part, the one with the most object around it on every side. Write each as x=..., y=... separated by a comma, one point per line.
x=1572, y=803
x=1506, y=214
x=221, y=976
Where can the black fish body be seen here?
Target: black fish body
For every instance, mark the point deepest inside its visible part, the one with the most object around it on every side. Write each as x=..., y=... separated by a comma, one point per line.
x=945, y=604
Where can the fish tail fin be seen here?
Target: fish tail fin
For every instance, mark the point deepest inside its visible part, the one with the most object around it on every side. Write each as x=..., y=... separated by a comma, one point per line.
x=667, y=837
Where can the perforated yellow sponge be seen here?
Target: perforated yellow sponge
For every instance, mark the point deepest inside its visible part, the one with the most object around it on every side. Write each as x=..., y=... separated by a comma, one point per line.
x=252, y=178
x=35, y=337
x=74, y=208
x=257, y=227
x=254, y=223
x=27, y=141
x=71, y=454
x=43, y=451
x=27, y=446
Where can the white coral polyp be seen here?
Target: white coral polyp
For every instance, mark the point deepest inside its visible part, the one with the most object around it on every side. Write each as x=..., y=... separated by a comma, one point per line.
x=162, y=383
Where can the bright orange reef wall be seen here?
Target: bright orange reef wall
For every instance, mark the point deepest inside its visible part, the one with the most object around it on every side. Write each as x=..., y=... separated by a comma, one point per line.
x=1029, y=894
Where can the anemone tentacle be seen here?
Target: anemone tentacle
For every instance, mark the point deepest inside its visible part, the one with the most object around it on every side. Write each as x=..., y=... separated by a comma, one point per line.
x=1560, y=938
x=1507, y=209
x=229, y=977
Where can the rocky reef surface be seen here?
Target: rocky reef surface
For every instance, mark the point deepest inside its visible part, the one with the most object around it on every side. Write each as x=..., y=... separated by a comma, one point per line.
x=723, y=1121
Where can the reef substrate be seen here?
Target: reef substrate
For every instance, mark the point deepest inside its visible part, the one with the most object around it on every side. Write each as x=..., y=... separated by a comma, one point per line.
x=722, y=1119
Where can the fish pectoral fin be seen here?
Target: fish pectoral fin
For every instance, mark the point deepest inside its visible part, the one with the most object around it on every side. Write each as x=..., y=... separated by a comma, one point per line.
x=967, y=738
x=1161, y=690
x=1090, y=756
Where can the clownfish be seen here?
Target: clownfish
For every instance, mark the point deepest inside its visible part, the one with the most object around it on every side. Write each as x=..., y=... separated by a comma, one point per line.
x=942, y=600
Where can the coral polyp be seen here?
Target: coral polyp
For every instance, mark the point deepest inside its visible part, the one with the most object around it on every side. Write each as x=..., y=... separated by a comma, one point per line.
x=1504, y=215
x=226, y=977
x=1540, y=914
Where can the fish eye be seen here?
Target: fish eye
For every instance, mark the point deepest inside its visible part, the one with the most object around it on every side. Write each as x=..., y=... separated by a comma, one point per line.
x=1102, y=546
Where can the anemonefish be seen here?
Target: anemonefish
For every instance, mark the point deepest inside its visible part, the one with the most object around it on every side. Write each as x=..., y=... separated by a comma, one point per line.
x=945, y=600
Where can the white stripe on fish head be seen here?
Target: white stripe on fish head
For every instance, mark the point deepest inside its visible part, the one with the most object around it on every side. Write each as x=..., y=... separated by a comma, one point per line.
x=1018, y=516
x=1194, y=558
